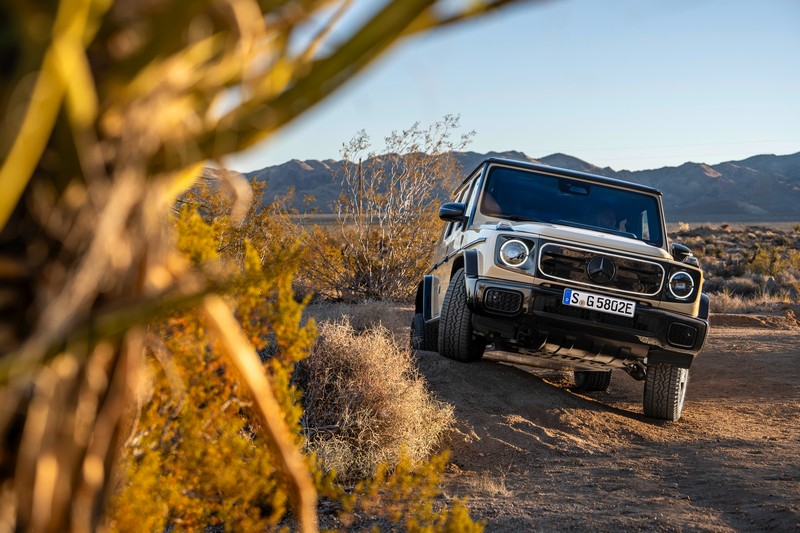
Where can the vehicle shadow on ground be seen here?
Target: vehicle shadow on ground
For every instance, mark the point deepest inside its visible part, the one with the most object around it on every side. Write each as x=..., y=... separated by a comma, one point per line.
x=510, y=386
x=505, y=411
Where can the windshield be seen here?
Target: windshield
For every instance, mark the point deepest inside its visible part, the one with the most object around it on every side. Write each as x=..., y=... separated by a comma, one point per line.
x=522, y=195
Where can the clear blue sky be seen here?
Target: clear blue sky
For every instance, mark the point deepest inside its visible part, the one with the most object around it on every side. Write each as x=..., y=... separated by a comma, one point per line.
x=629, y=84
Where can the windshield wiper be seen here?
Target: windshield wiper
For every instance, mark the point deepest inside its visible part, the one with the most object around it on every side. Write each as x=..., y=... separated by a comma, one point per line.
x=520, y=218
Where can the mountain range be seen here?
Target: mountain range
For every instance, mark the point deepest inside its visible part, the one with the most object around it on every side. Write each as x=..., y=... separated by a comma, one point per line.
x=760, y=188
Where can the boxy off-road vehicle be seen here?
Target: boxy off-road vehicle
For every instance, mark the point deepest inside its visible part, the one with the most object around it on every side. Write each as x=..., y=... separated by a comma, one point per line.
x=567, y=270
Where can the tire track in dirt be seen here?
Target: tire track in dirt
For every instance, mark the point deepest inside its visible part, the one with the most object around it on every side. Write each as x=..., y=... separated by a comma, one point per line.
x=531, y=454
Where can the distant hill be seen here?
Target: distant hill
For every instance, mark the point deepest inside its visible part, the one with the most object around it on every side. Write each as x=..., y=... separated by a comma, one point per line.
x=759, y=188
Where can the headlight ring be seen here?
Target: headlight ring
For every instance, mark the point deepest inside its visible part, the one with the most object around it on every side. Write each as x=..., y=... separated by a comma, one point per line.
x=681, y=285
x=514, y=253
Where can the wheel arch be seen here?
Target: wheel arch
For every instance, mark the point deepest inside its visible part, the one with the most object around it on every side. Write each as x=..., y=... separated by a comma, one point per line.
x=420, y=295
x=705, y=307
x=423, y=299
x=458, y=263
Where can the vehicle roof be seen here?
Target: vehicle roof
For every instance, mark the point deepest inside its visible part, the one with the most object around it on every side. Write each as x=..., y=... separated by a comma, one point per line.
x=526, y=165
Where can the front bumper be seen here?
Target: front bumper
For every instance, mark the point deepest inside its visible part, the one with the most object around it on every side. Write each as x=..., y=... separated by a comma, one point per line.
x=530, y=319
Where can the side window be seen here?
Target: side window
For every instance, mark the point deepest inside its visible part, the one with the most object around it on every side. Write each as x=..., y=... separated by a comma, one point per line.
x=473, y=195
x=448, y=230
x=453, y=226
x=467, y=197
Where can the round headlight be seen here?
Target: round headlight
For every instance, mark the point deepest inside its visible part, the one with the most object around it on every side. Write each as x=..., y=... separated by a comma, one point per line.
x=514, y=253
x=681, y=285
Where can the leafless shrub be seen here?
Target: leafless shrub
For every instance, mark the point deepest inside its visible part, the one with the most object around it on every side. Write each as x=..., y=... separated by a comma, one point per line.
x=385, y=213
x=365, y=403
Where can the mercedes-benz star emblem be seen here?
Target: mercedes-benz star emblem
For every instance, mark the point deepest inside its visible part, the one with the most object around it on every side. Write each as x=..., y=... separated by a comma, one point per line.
x=601, y=269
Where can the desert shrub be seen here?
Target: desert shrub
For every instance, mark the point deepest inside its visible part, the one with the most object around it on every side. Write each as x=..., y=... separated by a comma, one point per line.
x=196, y=456
x=789, y=280
x=748, y=268
x=727, y=301
x=729, y=267
x=714, y=250
x=769, y=260
x=404, y=496
x=743, y=286
x=793, y=258
x=363, y=316
x=386, y=223
x=109, y=117
x=365, y=403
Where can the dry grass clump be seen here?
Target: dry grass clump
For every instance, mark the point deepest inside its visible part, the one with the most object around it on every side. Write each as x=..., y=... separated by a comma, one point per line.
x=729, y=302
x=363, y=316
x=365, y=403
x=747, y=286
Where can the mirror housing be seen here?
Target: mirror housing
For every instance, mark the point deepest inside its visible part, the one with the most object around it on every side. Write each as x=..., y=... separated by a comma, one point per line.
x=453, y=212
x=682, y=254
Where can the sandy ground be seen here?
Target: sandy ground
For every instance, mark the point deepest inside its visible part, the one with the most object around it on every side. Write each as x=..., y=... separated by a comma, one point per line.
x=530, y=454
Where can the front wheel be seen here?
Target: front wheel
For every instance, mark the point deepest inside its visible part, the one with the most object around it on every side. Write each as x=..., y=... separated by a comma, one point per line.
x=456, y=340
x=665, y=391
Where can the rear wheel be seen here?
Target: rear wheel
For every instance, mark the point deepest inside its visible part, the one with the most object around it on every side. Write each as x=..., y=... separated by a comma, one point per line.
x=456, y=340
x=590, y=380
x=424, y=336
x=665, y=391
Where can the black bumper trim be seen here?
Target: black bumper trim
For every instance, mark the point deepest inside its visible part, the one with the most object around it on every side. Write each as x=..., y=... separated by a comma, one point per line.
x=545, y=323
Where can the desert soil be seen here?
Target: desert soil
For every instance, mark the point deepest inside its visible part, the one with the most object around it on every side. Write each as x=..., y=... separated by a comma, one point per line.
x=531, y=454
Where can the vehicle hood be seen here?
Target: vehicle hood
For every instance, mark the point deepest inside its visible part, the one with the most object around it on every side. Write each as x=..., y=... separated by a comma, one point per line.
x=579, y=236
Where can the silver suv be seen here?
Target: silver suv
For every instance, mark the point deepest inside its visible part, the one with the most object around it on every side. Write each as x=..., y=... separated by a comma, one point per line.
x=563, y=269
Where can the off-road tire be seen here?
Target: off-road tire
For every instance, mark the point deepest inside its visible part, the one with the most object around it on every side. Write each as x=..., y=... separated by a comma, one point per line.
x=456, y=340
x=424, y=336
x=665, y=391
x=592, y=380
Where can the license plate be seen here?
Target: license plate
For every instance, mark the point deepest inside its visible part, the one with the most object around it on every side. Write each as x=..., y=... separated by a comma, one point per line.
x=599, y=302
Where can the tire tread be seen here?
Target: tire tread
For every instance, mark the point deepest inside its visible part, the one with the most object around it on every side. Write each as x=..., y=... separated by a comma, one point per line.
x=455, y=325
x=662, y=391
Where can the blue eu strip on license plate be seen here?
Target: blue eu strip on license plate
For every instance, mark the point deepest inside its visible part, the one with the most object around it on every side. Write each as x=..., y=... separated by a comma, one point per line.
x=599, y=302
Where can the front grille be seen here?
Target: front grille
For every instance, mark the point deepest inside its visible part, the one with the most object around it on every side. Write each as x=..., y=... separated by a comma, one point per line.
x=502, y=301
x=681, y=335
x=632, y=276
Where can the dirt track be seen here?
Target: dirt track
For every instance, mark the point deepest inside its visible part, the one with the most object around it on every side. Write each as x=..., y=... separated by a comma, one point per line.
x=530, y=454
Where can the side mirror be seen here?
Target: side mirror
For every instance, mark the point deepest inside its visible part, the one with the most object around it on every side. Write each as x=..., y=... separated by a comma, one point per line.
x=452, y=212
x=682, y=254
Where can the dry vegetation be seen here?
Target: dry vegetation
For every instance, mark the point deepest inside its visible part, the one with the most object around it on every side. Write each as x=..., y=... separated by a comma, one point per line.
x=102, y=278
x=107, y=118
x=747, y=269
x=365, y=403
x=378, y=244
x=365, y=315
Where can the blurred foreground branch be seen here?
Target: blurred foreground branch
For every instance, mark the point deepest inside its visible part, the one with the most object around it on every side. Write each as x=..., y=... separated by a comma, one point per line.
x=107, y=117
x=245, y=359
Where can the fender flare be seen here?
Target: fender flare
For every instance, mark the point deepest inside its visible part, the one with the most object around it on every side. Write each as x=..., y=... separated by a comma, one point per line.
x=426, y=307
x=705, y=307
x=471, y=272
x=471, y=263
